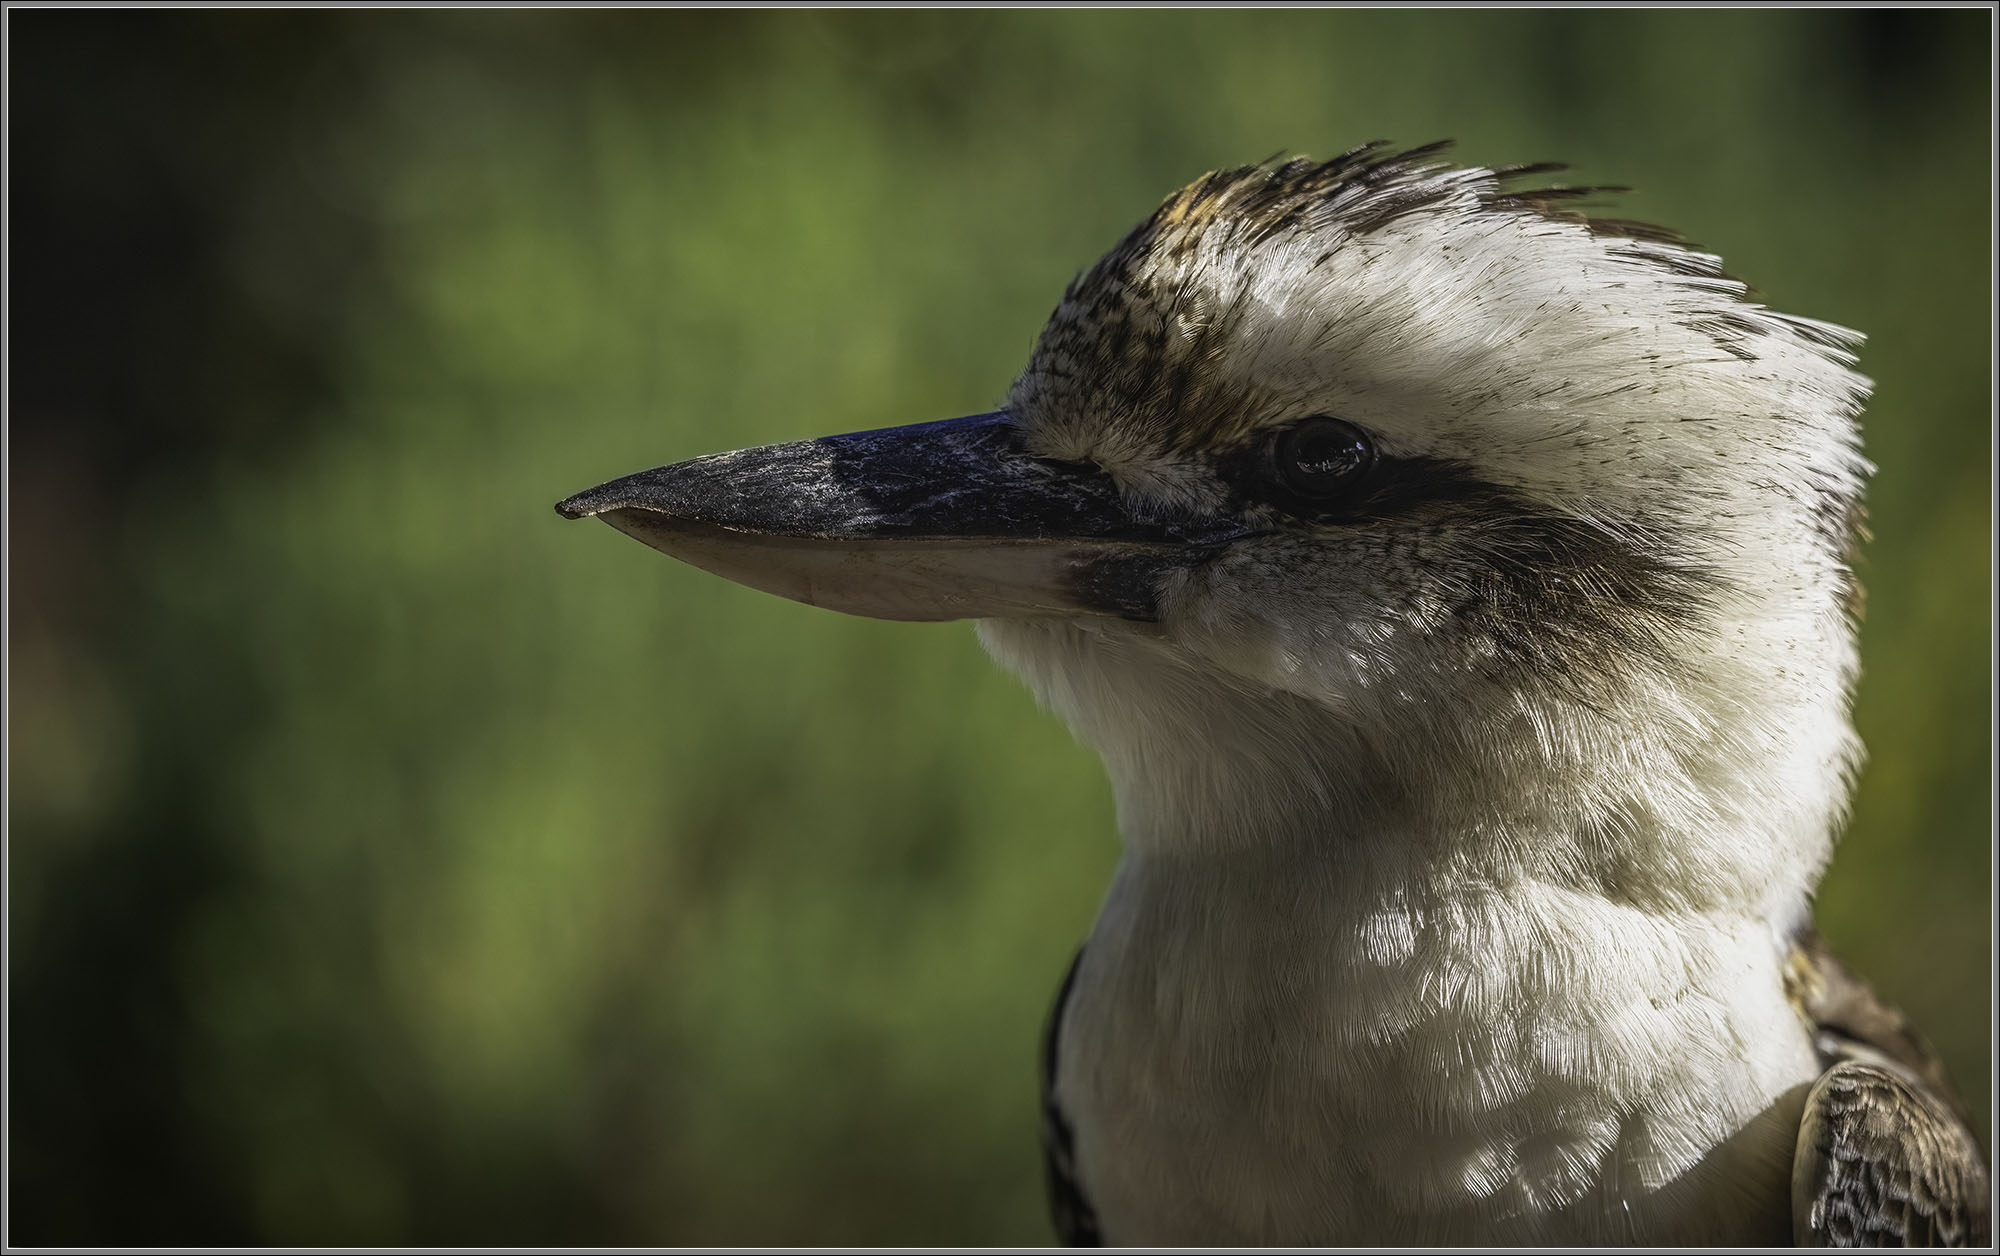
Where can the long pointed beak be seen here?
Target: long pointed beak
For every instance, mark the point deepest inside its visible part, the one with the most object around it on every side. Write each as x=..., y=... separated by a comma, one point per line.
x=948, y=520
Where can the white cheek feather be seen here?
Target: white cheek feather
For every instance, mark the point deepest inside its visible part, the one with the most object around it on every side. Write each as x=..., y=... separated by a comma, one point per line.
x=1513, y=940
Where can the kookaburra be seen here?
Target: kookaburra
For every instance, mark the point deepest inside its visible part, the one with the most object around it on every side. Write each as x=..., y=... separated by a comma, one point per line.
x=1457, y=590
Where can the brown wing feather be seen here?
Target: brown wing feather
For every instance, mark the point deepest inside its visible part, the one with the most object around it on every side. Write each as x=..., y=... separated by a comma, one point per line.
x=1075, y=1220
x=1884, y=1155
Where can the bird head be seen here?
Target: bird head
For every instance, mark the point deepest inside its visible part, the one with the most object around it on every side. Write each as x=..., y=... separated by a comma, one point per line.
x=1371, y=494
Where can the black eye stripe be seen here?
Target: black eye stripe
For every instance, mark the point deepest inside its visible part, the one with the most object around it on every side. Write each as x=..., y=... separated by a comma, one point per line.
x=1317, y=468
x=1377, y=486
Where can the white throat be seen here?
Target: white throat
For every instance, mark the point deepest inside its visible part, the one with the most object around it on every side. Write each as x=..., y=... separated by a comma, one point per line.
x=1715, y=789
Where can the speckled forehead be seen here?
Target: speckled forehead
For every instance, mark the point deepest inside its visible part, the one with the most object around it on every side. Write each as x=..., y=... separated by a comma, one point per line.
x=1127, y=366
x=1201, y=326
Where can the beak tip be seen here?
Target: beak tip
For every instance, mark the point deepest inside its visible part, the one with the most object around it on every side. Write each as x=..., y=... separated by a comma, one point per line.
x=582, y=506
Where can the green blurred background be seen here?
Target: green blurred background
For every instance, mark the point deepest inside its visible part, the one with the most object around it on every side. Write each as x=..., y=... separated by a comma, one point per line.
x=392, y=862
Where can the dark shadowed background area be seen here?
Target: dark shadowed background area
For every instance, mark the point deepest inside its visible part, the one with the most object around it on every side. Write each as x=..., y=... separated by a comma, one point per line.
x=392, y=862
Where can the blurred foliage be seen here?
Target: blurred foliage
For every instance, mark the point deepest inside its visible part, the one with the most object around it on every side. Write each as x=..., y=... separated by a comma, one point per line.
x=391, y=862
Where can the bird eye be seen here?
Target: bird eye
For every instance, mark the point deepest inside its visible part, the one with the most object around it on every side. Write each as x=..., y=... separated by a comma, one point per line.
x=1320, y=457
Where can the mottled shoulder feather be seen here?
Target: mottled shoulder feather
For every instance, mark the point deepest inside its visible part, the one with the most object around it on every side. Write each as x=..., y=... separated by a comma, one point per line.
x=1884, y=1157
x=1075, y=1220
x=1882, y=1162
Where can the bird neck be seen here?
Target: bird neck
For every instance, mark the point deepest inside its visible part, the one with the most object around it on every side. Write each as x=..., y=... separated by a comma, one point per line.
x=1693, y=793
